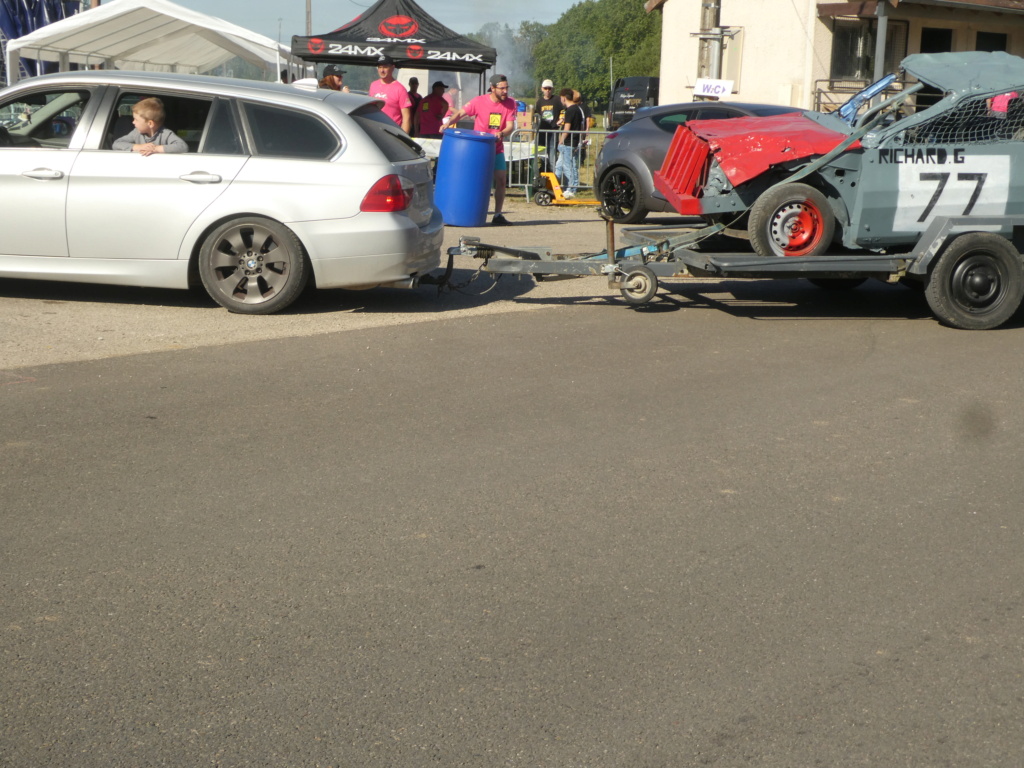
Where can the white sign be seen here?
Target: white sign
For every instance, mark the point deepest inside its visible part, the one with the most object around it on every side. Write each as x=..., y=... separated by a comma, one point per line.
x=714, y=88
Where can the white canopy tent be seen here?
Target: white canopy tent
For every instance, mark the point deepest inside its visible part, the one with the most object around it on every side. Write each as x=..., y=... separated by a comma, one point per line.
x=152, y=35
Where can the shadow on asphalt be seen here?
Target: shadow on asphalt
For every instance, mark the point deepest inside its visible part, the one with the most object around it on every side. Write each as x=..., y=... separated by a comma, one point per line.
x=750, y=299
x=775, y=300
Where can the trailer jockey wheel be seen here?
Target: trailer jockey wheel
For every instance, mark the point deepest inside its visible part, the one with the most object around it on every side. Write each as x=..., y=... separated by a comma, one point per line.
x=544, y=197
x=639, y=286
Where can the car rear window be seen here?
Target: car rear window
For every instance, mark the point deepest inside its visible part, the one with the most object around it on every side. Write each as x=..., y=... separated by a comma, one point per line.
x=278, y=132
x=671, y=121
x=389, y=138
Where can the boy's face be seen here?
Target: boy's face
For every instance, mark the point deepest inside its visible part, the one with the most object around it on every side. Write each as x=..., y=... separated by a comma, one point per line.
x=142, y=125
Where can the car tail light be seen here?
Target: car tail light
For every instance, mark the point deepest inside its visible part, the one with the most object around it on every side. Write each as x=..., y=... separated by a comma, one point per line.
x=611, y=135
x=389, y=195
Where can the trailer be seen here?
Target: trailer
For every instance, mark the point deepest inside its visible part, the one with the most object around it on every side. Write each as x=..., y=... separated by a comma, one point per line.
x=969, y=267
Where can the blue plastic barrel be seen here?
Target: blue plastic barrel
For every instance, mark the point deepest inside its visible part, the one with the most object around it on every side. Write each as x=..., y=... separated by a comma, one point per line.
x=465, y=172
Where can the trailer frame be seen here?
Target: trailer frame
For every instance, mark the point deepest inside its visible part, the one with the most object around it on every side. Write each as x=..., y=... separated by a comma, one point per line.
x=977, y=285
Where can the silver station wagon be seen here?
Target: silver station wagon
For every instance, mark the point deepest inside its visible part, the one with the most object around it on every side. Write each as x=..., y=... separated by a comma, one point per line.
x=279, y=187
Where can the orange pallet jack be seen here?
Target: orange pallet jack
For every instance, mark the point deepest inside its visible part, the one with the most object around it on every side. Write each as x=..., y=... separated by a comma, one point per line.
x=549, y=192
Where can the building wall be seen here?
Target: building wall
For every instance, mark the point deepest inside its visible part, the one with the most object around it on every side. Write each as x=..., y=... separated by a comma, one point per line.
x=785, y=49
x=780, y=46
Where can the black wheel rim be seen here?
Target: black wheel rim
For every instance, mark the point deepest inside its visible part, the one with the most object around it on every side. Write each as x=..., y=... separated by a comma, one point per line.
x=977, y=283
x=618, y=194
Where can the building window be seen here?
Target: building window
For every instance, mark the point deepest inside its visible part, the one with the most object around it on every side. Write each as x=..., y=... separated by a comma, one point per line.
x=991, y=41
x=853, y=48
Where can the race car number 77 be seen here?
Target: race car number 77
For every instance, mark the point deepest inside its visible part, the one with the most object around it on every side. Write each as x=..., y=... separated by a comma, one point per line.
x=979, y=185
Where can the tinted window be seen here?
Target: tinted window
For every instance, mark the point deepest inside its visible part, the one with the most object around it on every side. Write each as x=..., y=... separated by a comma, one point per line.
x=41, y=118
x=716, y=114
x=669, y=122
x=280, y=132
x=388, y=137
x=222, y=136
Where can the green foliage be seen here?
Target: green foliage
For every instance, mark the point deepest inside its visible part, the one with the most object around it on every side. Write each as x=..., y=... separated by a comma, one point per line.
x=575, y=51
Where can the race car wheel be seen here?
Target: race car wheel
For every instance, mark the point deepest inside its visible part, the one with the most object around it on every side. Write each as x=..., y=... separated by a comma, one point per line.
x=253, y=265
x=977, y=283
x=544, y=197
x=639, y=286
x=836, y=283
x=620, y=197
x=791, y=220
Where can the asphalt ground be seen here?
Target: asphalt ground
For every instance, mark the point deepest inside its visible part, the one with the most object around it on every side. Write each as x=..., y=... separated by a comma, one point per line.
x=751, y=523
x=50, y=322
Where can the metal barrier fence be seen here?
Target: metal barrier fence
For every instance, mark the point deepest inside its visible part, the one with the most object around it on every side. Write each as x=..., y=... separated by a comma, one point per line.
x=528, y=156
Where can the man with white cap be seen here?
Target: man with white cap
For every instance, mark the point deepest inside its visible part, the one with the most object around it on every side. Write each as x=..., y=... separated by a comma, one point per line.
x=548, y=109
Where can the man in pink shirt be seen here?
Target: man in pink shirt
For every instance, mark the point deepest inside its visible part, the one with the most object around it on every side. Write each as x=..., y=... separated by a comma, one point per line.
x=429, y=117
x=495, y=113
x=395, y=102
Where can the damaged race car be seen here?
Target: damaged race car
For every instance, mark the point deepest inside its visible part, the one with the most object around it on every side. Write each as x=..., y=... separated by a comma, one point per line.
x=871, y=175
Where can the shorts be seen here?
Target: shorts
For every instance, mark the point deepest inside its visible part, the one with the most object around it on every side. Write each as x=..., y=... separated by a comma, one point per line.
x=499, y=162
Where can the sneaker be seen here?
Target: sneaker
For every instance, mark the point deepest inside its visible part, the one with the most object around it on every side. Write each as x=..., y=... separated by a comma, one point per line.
x=500, y=221
x=568, y=195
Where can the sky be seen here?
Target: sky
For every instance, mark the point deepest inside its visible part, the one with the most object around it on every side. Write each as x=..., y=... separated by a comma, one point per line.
x=461, y=16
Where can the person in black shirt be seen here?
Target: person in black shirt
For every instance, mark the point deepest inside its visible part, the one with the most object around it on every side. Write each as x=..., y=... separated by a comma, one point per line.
x=548, y=110
x=573, y=125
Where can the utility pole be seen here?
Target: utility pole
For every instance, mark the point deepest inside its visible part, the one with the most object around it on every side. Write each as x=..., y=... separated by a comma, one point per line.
x=309, y=17
x=708, y=64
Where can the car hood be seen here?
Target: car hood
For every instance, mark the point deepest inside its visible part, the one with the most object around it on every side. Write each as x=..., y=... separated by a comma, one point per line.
x=967, y=71
x=745, y=147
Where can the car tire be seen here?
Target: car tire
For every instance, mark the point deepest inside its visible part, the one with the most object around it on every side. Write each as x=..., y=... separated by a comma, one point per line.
x=977, y=283
x=791, y=220
x=253, y=265
x=620, y=197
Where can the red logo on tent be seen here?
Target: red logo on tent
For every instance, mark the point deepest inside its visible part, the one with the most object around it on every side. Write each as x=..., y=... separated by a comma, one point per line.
x=315, y=45
x=399, y=26
x=414, y=51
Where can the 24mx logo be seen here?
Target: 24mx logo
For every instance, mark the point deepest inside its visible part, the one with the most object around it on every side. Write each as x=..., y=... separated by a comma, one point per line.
x=450, y=56
x=355, y=50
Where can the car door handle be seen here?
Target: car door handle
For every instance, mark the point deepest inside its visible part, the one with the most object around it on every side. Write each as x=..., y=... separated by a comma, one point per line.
x=201, y=177
x=43, y=174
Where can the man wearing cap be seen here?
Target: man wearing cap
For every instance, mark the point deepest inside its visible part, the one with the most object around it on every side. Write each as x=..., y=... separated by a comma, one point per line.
x=429, y=119
x=332, y=79
x=391, y=94
x=548, y=109
x=495, y=113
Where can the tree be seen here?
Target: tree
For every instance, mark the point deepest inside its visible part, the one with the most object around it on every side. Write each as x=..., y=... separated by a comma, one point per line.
x=575, y=50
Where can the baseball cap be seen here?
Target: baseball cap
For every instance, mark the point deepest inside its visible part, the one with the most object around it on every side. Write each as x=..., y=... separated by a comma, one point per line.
x=547, y=84
x=443, y=85
x=385, y=59
x=495, y=79
x=331, y=69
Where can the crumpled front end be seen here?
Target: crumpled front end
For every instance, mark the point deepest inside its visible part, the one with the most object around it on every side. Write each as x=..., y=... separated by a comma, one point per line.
x=743, y=148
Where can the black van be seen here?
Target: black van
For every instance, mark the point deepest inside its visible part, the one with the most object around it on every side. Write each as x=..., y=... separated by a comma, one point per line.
x=628, y=95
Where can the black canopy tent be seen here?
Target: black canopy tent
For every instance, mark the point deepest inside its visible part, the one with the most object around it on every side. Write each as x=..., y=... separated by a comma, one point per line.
x=403, y=31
